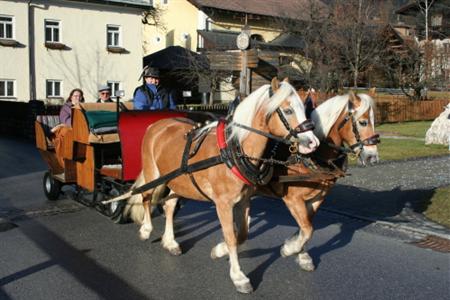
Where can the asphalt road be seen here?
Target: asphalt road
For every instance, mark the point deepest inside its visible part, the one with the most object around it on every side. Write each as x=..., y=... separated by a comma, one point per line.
x=63, y=250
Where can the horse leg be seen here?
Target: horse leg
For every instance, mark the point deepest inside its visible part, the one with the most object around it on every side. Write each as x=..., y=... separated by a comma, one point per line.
x=146, y=227
x=240, y=281
x=168, y=239
x=294, y=245
x=241, y=212
x=242, y=218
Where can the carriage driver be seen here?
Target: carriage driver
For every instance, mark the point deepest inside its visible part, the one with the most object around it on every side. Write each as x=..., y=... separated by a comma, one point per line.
x=151, y=95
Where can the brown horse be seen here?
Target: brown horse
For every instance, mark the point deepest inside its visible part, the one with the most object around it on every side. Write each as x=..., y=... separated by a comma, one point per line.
x=345, y=119
x=253, y=121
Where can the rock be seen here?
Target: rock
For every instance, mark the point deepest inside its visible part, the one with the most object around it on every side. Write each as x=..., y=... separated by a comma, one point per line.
x=439, y=132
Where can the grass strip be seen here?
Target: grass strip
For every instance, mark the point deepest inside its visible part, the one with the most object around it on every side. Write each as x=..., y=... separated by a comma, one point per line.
x=439, y=208
x=399, y=149
x=412, y=129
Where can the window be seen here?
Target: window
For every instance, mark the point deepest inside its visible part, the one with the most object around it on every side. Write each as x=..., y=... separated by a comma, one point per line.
x=52, y=31
x=164, y=2
x=6, y=27
x=54, y=88
x=114, y=86
x=7, y=88
x=436, y=20
x=113, y=35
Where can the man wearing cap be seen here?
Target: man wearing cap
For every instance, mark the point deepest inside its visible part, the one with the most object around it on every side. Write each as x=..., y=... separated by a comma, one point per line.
x=104, y=94
x=151, y=95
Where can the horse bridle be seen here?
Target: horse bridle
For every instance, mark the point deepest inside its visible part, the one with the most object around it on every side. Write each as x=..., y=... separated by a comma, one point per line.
x=358, y=146
x=307, y=125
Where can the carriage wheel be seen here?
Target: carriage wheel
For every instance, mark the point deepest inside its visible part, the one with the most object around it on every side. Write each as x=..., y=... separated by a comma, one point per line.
x=116, y=212
x=52, y=187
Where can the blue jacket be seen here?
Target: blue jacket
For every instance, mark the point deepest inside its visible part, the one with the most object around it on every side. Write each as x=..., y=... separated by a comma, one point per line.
x=149, y=97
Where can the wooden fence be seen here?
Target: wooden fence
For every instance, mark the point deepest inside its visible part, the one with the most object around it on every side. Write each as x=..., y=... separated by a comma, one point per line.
x=406, y=110
x=397, y=108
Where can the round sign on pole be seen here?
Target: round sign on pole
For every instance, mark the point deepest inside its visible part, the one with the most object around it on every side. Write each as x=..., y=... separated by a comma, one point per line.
x=243, y=40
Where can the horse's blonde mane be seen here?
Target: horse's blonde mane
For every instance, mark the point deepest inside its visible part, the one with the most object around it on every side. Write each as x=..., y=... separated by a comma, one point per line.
x=248, y=108
x=326, y=114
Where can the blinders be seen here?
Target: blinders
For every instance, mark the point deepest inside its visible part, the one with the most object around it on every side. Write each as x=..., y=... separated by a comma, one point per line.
x=358, y=146
x=307, y=125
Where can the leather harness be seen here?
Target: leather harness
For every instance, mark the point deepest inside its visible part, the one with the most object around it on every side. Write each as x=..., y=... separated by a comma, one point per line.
x=230, y=153
x=372, y=140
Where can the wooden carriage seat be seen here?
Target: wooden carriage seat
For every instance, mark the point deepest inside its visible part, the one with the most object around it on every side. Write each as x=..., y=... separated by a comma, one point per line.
x=44, y=142
x=43, y=126
x=96, y=123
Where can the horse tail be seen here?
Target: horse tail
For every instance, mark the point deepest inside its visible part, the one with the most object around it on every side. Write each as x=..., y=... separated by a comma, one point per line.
x=134, y=208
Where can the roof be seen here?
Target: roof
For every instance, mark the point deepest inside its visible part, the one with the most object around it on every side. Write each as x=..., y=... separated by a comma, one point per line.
x=145, y=4
x=175, y=58
x=413, y=8
x=288, y=40
x=292, y=9
x=226, y=40
x=219, y=40
x=408, y=9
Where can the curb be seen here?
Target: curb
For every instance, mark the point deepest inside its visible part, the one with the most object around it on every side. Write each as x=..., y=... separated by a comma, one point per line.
x=419, y=158
x=396, y=226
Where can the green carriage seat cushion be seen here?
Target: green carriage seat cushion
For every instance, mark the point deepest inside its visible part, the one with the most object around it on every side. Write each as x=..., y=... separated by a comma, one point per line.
x=98, y=119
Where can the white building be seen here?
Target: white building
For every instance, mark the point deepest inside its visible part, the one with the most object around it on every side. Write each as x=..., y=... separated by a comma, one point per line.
x=48, y=48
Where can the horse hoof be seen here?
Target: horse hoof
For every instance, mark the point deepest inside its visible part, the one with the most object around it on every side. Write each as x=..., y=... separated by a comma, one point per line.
x=175, y=251
x=213, y=254
x=245, y=288
x=219, y=251
x=309, y=267
x=144, y=235
x=285, y=253
x=305, y=262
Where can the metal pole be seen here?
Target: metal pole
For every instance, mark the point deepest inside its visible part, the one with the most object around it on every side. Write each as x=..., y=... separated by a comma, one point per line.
x=243, y=75
x=31, y=51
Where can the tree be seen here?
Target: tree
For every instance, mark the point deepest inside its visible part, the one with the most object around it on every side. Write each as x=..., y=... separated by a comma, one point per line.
x=424, y=6
x=354, y=35
x=405, y=70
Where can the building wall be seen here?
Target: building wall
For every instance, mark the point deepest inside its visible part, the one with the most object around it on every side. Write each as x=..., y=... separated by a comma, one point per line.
x=14, y=60
x=268, y=31
x=85, y=62
x=178, y=28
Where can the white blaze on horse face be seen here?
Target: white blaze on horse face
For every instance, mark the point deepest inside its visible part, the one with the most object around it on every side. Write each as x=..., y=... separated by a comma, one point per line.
x=308, y=142
x=369, y=153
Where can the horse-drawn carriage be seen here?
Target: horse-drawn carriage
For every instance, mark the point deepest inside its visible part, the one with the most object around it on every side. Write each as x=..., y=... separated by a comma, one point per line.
x=227, y=166
x=100, y=155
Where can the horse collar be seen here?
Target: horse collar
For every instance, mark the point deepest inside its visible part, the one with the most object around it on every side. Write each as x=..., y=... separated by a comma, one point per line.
x=226, y=154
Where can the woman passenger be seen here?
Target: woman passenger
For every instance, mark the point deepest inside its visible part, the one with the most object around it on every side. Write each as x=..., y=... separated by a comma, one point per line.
x=65, y=117
x=74, y=100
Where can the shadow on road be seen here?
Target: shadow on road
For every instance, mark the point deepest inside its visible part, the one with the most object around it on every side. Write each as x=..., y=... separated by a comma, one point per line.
x=380, y=205
x=18, y=156
x=75, y=261
x=396, y=206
